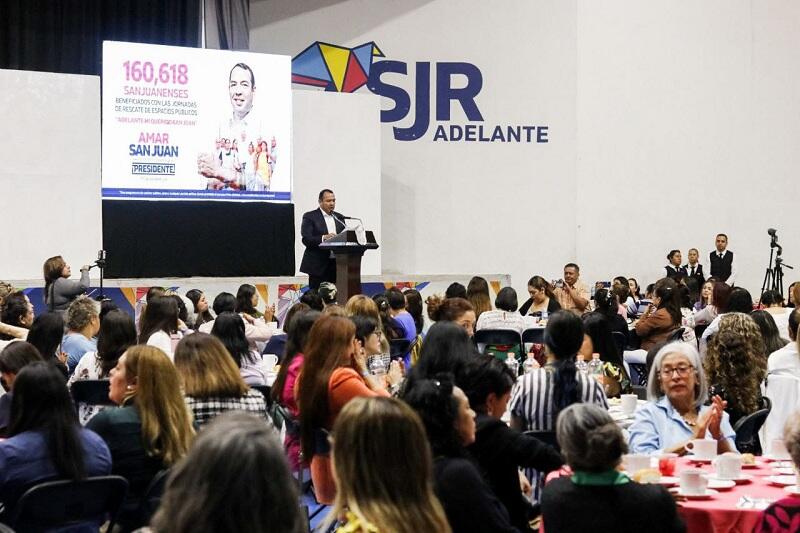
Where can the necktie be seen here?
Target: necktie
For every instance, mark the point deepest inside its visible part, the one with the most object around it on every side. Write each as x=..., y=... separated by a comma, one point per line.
x=720, y=255
x=692, y=271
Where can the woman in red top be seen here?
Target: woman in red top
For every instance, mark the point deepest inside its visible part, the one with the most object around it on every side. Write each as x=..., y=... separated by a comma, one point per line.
x=333, y=374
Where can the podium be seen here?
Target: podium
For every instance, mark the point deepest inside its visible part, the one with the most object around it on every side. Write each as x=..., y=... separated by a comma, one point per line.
x=348, y=253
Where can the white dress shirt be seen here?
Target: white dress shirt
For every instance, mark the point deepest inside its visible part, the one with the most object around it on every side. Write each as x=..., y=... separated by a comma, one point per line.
x=785, y=361
x=330, y=222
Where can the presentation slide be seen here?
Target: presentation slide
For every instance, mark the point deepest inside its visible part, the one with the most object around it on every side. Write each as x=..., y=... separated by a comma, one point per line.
x=195, y=124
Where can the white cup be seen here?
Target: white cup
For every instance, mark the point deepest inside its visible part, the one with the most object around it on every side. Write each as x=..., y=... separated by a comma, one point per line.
x=777, y=449
x=702, y=448
x=269, y=361
x=693, y=482
x=635, y=462
x=628, y=403
x=728, y=466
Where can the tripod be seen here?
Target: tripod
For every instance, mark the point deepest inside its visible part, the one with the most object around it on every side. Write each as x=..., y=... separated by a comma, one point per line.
x=101, y=264
x=773, y=278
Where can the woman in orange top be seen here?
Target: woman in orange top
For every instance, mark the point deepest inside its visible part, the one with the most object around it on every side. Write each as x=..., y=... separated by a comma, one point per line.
x=334, y=373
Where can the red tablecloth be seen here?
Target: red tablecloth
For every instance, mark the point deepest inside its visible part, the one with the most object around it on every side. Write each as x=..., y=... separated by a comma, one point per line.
x=720, y=514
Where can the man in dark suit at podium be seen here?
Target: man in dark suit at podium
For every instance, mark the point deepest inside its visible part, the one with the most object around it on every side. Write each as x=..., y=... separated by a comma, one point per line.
x=318, y=226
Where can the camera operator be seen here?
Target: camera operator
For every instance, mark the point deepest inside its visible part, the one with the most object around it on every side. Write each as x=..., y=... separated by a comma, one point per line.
x=571, y=293
x=59, y=290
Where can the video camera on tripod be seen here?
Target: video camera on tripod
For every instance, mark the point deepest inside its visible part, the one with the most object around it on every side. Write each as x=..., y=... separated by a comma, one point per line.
x=773, y=278
x=100, y=263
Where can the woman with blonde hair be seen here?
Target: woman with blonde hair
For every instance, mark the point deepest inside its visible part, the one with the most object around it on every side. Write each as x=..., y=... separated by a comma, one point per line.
x=736, y=364
x=478, y=295
x=397, y=497
x=152, y=427
x=212, y=382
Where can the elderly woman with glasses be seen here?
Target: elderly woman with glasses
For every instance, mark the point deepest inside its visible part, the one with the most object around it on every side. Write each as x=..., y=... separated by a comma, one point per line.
x=677, y=390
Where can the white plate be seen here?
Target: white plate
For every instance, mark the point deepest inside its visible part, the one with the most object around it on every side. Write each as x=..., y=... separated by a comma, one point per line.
x=773, y=458
x=720, y=484
x=783, y=471
x=743, y=478
x=781, y=480
x=668, y=481
x=710, y=493
x=792, y=489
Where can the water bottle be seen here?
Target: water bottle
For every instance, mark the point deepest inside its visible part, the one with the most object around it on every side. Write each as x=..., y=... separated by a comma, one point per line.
x=376, y=366
x=545, y=314
x=581, y=365
x=595, y=366
x=512, y=363
x=529, y=365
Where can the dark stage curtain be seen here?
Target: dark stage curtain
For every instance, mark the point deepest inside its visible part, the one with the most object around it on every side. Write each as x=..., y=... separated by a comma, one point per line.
x=211, y=239
x=67, y=35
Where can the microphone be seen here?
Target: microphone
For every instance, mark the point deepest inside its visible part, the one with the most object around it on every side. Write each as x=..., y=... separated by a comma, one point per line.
x=772, y=231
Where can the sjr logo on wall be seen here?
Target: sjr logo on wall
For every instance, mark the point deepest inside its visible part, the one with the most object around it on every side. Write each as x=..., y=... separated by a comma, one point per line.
x=342, y=69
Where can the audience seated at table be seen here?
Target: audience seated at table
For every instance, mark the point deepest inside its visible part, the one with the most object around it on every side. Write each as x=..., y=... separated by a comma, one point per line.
x=662, y=317
x=361, y=305
x=478, y=295
x=13, y=359
x=773, y=341
x=255, y=329
x=505, y=316
x=152, y=428
x=676, y=412
x=391, y=328
x=542, y=300
x=247, y=300
x=606, y=304
x=396, y=495
x=456, y=310
x=687, y=313
x=333, y=374
x=414, y=307
x=598, y=339
x=202, y=314
x=540, y=395
x=455, y=290
x=283, y=389
x=739, y=301
x=83, y=323
x=159, y=325
x=117, y=334
x=468, y=501
x=621, y=286
x=446, y=348
x=736, y=365
x=46, y=334
x=235, y=478
x=783, y=515
x=787, y=359
x=397, y=310
x=229, y=329
x=597, y=496
x=211, y=381
x=773, y=304
x=705, y=296
x=45, y=440
x=499, y=449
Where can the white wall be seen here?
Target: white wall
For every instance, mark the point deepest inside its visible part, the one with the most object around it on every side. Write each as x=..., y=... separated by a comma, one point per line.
x=337, y=146
x=670, y=122
x=50, y=176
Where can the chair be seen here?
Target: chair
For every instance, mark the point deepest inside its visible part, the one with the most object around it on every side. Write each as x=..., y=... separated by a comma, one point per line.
x=548, y=437
x=58, y=504
x=620, y=339
x=91, y=392
x=747, y=427
x=486, y=337
x=533, y=336
x=151, y=498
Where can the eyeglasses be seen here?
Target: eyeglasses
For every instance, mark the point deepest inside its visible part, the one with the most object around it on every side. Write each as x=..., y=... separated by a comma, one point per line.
x=682, y=371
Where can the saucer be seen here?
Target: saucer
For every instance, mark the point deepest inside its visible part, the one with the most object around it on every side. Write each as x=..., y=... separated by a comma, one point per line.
x=781, y=480
x=720, y=484
x=792, y=489
x=710, y=493
x=783, y=471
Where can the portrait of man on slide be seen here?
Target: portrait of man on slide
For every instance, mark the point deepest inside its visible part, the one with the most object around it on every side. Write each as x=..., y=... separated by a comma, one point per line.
x=245, y=154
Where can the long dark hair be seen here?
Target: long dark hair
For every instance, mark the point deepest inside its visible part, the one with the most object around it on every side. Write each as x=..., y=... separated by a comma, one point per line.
x=563, y=337
x=229, y=328
x=194, y=296
x=296, y=334
x=41, y=402
x=667, y=290
x=15, y=305
x=117, y=334
x=769, y=331
x=435, y=404
x=598, y=327
x=46, y=333
x=414, y=308
x=244, y=300
x=161, y=315
x=485, y=375
x=607, y=303
x=446, y=349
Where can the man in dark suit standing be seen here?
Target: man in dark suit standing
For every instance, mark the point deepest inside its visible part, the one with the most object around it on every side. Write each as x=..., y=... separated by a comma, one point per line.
x=318, y=226
x=721, y=260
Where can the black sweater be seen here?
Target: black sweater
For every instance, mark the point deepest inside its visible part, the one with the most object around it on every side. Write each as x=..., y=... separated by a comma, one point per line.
x=500, y=452
x=631, y=507
x=469, y=503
